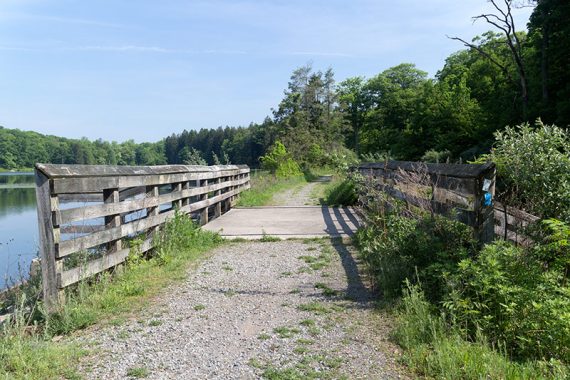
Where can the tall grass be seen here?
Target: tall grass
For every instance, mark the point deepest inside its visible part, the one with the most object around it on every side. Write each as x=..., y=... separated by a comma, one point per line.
x=435, y=349
x=26, y=347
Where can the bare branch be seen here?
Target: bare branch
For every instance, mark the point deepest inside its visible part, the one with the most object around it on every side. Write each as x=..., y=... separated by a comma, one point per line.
x=503, y=68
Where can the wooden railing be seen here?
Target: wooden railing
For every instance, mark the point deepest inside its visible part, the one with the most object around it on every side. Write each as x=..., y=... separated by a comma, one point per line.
x=511, y=223
x=447, y=189
x=86, y=212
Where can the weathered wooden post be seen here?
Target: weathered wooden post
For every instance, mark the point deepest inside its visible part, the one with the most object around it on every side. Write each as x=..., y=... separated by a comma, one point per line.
x=49, y=240
x=218, y=207
x=111, y=221
x=152, y=193
x=204, y=197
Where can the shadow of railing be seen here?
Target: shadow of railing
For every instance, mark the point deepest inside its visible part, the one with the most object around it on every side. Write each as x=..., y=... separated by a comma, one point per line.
x=346, y=224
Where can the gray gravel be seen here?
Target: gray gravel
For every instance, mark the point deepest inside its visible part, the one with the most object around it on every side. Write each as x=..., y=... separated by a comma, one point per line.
x=239, y=316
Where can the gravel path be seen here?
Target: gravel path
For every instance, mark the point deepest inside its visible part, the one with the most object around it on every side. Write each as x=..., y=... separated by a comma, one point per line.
x=299, y=196
x=253, y=310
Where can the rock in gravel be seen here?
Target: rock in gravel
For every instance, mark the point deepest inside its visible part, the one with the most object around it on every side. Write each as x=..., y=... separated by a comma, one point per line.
x=252, y=310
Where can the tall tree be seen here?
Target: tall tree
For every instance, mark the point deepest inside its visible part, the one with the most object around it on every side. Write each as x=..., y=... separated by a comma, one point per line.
x=503, y=20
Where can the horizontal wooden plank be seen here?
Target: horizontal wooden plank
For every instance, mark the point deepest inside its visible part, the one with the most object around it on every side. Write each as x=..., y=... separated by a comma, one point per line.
x=69, y=185
x=467, y=186
x=69, y=171
x=81, y=229
x=96, y=211
x=91, y=268
x=82, y=243
x=513, y=236
x=450, y=170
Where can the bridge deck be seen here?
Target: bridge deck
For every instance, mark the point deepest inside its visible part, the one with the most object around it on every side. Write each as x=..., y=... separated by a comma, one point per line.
x=286, y=222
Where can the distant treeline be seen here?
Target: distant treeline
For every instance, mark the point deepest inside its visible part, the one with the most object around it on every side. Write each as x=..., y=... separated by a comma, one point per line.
x=500, y=79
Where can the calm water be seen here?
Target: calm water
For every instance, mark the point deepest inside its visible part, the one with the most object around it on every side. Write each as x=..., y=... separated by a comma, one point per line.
x=18, y=226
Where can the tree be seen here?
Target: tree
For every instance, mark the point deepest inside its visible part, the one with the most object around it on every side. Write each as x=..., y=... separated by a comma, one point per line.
x=503, y=20
x=353, y=105
x=549, y=35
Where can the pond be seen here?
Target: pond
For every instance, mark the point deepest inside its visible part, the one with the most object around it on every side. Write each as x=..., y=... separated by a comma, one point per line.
x=18, y=226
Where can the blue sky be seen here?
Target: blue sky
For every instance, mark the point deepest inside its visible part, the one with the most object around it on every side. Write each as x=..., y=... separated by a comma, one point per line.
x=122, y=69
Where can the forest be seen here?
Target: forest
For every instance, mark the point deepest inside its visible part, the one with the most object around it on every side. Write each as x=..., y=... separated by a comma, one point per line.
x=503, y=77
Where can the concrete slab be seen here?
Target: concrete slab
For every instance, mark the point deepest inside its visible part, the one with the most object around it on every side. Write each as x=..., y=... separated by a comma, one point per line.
x=286, y=222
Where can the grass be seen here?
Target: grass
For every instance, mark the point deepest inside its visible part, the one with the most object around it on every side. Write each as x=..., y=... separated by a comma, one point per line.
x=434, y=349
x=317, y=308
x=138, y=372
x=35, y=356
x=264, y=186
x=307, y=322
x=285, y=332
x=327, y=291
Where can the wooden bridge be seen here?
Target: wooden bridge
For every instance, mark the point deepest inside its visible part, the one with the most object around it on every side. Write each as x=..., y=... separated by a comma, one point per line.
x=87, y=214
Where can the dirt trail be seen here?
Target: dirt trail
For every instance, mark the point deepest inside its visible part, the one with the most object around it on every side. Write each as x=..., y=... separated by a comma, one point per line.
x=252, y=310
x=300, y=196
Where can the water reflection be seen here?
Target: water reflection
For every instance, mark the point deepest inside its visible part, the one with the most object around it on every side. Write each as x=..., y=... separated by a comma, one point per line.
x=18, y=226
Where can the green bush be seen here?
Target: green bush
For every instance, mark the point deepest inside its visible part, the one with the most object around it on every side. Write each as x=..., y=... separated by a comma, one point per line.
x=279, y=162
x=534, y=166
x=506, y=292
x=342, y=193
x=397, y=248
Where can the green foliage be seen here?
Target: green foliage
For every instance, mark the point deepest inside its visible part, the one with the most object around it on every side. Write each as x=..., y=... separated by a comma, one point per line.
x=279, y=162
x=434, y=349
x=191, y=156
x=501, y=302
x=341, y=193
x=506, y=293
x=397, y=249
x=534, y=164
x=436, y=157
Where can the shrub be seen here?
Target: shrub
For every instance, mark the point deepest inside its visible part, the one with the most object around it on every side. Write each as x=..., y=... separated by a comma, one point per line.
x=506, y=292
x=397, y=248
x=534, y=164
x=279, y=162
x=342, y=193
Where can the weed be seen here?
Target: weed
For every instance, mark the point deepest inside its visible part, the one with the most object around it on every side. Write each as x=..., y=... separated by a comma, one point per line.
x=314, y=331
x=295, y=291
x=307, y=322
x=315, y=307
x=199, y=307
x=286, y=332
x=327, y=291
x=138, y=372
x=301, y=350
x=305, y=341
x=263, y=336
x=227, y=268
x=265, y=238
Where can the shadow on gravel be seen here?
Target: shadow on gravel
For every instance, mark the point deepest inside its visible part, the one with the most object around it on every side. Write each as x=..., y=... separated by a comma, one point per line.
x=356, y=291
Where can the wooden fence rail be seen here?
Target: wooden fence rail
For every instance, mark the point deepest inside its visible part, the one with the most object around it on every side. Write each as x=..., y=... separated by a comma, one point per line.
x=454, y=189
x=442, y=188
x=86, y=213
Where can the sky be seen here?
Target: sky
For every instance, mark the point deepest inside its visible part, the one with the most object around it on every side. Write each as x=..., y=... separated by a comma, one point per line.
x=144, y=69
